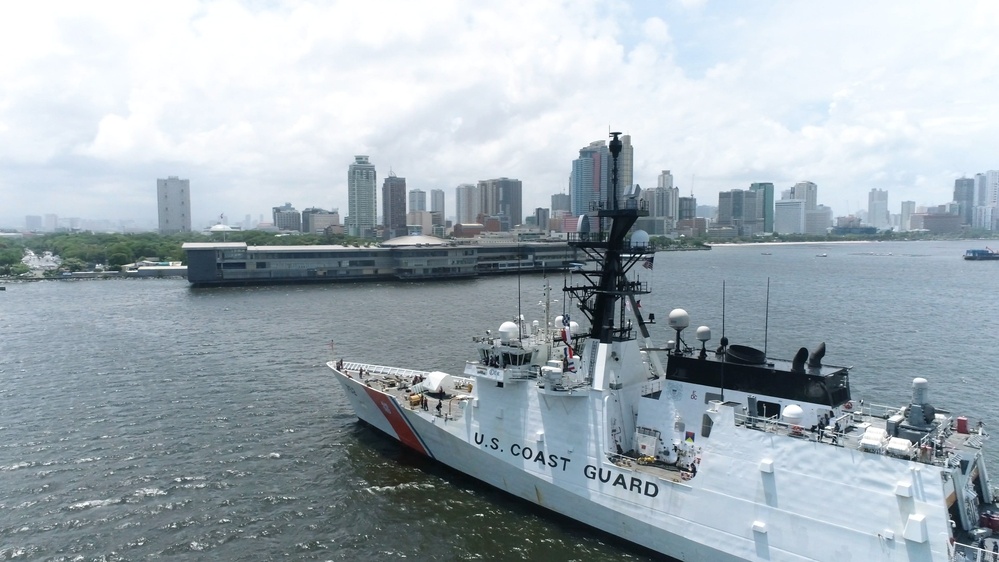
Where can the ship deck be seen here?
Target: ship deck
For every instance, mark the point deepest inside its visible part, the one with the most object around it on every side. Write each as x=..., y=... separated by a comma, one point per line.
x=400, y=383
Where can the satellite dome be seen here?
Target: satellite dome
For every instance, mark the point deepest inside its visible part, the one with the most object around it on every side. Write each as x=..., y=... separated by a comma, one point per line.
x=508, y=331
x=703, y=333
x=640, y=239
x=679, y=319
x=793, y=414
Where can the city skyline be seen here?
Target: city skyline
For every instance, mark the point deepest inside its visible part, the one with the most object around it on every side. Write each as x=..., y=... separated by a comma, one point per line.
x=883, y=109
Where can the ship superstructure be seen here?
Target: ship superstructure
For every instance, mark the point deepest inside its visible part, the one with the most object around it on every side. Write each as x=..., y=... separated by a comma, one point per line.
x=701, y=454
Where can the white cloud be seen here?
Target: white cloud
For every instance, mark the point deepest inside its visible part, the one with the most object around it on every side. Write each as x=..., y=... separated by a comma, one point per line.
x=259, y=105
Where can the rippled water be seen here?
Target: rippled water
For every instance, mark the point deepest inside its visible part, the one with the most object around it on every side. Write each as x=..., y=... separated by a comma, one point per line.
x=142, y=418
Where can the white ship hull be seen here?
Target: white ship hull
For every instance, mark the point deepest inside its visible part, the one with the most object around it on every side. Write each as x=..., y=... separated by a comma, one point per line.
x=758, y=495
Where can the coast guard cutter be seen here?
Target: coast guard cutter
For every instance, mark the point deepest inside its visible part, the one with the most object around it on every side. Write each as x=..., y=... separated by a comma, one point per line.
x=707, y=455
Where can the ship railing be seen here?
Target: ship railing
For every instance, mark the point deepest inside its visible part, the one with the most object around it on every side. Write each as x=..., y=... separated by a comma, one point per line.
x=878, y=410
x=399, y=372
x=382, y=369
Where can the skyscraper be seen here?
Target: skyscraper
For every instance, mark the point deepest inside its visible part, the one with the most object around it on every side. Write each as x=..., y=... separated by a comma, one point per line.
x=737, y=208
x=417, y=200
x=904, y=220
x=964, y=196
x=764, y=204
x=362, y=198
x=625, y=166
x=807, y=192
x=466, y=200
x=173, y=202
x=394, y=206
x=437, y=202
x=877, y=209
x=502, y=197
x=590, y=177
x=561, y=202
x=664, y=199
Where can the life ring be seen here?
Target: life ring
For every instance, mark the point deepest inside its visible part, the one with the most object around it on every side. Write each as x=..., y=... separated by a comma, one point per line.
x=848, y=406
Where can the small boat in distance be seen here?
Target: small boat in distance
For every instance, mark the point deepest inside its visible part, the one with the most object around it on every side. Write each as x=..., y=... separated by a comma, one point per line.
x=822, y=255
x=981, y=255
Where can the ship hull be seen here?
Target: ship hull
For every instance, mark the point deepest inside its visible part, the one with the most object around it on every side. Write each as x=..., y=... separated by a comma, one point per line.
x=420, y=432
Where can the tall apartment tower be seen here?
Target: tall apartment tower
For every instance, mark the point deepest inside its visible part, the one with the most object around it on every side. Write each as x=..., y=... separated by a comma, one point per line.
x=664, y=200
x=417, y=200
x=394, y=206
x=437, y=201
x=626, y=166
x=964, y=196
x=981, y=192
x=808, y=192
x=173, y=203
x=362, y=198
x=502, y=197
x=561, y=202
x=466, y=200
x=738, y=209
x=905, y=218
x=590, y=177
x=877, y=209
x=764, y=204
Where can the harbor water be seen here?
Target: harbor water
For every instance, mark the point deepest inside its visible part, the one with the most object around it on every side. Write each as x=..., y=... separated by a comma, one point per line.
x=146, y=419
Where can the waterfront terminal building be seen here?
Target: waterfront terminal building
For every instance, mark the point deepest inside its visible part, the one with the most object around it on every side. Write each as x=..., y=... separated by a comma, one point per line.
x=405, y=257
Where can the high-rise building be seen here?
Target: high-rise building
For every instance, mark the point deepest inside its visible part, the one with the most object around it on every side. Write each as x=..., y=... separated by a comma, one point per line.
x=33, y=223
x=992, y=188
x=877, y=209
x=394, y=206
x=807, y=192
x=173, y=203
x=981, y=190
x=664, y=199
x=561, y=202
x=417, y=200
x=362, y=198
x=437, y=202
x=625, y=166
x=541, y=216
x=502, y=197
x=737, y=208
x=818, y=220
x=315, y=220
x=964, y=196
x=908, y=209
x=789, y=216
x=688, y=208
x=590, y=177
x=764, y=204
x=466, y=200
x=287, y=218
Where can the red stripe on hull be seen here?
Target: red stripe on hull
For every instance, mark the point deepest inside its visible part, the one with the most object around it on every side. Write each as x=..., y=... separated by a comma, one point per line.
x=395, y=417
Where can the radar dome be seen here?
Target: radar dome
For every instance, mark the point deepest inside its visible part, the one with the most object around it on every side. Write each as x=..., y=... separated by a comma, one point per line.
x=679, y=319
x=508, y=331
x=703, y=333
x=793, y=414
x=640, y=239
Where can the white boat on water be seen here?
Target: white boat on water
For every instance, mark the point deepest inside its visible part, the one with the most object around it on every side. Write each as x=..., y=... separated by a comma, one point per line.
x=719, y=454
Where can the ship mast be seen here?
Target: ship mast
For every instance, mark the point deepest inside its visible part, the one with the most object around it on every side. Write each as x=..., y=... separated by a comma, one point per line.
x=608, y=284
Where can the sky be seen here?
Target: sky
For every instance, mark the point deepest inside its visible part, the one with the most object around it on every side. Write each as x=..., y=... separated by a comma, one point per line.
x=259, y=103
